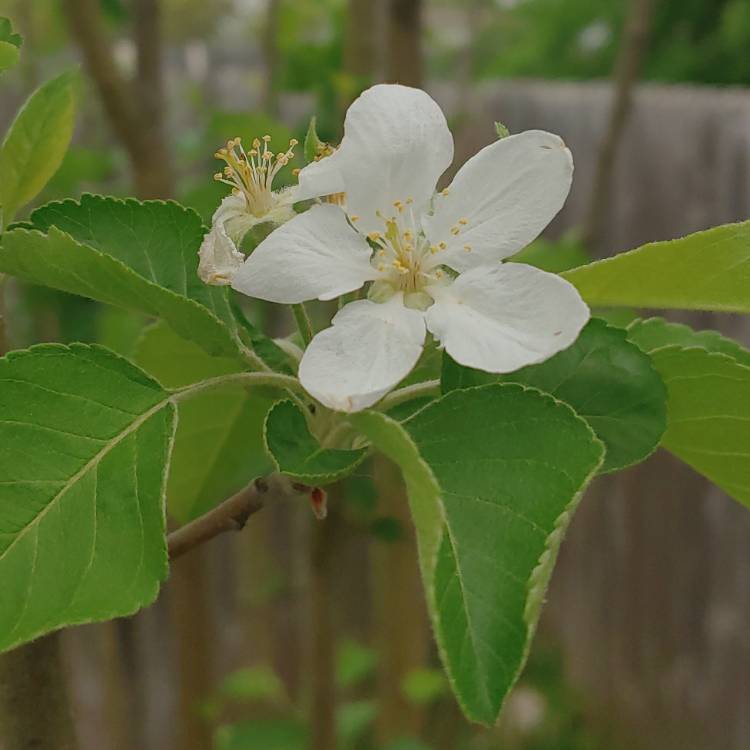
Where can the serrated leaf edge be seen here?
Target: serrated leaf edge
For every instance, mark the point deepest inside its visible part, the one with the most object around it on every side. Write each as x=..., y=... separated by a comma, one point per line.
x=107, y=258
x=167, y=403
x=541, y=574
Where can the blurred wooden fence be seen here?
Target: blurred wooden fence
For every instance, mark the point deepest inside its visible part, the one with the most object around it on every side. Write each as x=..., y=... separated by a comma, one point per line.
x=652, y=598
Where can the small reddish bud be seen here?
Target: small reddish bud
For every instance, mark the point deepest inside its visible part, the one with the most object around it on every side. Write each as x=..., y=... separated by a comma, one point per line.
x=319, y=503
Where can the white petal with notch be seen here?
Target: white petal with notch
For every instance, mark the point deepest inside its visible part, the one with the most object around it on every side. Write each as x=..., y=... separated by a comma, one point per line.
x=501, y=318
x=506, y=195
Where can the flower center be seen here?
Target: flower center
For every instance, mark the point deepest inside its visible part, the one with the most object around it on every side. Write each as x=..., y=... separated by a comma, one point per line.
x=404, y=258
x=251, y=173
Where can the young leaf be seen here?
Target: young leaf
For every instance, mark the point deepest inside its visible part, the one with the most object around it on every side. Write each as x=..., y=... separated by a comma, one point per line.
x=36, y=143
x=10, y=45
x=312, y=146
x=7, y=34
x=9, y=56
x=709, y=415
x=298, y=454
x=704, y=271
x=493, y=475
x=218, y=447
x=656, y=333
x=58, y=261
x=86, y=438
x=708, y=381
x=501, y=131
x=606, y=379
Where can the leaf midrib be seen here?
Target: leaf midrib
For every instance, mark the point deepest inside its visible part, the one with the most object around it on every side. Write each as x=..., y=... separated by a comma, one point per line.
x=129, y=430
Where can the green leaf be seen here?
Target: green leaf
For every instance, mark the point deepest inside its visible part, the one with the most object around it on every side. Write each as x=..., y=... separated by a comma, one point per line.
x=709, y=415
x=656, y=333
x=424, y=686
x=606, y=379
x=298, y=454
x=313, y=146
x=140, y=256
x=159, y=240
x=9, y=56
x=708, y=384
x=266, y=348
x=704, y=271
x=501, y=131
x=494, y=474
x=268, y=734
x=554, y=257
x=354, y=664
x=7, y=34
x=218, y=447
x=10, y=45
x=86, y=438
x=34, y=146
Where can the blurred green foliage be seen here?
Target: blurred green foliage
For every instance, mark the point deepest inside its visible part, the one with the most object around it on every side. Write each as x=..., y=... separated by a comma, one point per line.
x=701, y=41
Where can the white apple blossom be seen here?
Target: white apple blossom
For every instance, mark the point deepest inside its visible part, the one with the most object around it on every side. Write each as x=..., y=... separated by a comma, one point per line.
x=434, y=259
x=252, y=201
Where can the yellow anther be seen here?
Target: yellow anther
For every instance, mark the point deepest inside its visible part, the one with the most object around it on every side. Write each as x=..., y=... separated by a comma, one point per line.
x=455, y=231
x=442, y=245
x=374, y=236
x=295, y=172
x=256, y=143
x=354, y=218
x=293, y=142
x=433, y=249
x=445, y=192
x=266, y=138
x=219, y=176
x=467, y=248
x=463, y=222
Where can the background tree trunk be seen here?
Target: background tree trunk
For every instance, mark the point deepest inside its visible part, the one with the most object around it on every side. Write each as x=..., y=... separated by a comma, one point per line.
x=34, y=710
x=134, y=109
x=628, y=66
x=400, y=621
x=193, y=629
x=404, y=42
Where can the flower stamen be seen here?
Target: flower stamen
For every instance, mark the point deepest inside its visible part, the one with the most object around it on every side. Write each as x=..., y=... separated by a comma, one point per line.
x=251, y=173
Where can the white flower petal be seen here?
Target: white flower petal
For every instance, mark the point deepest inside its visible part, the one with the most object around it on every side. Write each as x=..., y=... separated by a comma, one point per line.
x=500, y=318
x=396, y=145
x=369, y=348
x=507, y=193
x=316, y=255
x=219, y=259
x=321, y=178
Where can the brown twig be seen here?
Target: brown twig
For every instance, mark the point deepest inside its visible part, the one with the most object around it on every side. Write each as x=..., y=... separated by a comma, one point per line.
x=231, y=515
x=627, y=70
